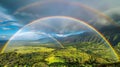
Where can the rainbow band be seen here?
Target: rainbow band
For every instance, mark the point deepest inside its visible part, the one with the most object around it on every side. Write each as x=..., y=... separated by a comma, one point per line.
x=56, y=41
x=82, y=22
x=72, y=3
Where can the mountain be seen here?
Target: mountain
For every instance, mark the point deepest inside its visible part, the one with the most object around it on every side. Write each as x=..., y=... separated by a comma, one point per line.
x=112, y=33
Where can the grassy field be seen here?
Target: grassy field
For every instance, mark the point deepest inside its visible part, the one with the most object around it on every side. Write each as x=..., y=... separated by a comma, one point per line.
x=78, y=55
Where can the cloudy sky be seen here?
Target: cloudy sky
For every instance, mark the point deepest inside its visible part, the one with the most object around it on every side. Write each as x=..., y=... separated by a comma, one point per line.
x=14, y=14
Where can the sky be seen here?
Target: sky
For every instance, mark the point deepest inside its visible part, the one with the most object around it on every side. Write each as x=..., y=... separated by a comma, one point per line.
x=15, y=14
x=8, y=24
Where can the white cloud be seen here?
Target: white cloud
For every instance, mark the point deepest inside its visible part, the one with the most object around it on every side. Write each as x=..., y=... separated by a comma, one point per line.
x=3, y=36
x=69, y=34
x=16, y=24
x=5, y=28
x=4, y=15
x=28, y=36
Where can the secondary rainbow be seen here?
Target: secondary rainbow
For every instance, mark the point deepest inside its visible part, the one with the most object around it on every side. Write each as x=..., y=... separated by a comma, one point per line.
x=71, y=3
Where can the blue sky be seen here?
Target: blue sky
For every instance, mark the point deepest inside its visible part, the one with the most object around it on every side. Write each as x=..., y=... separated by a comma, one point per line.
x=8, y=24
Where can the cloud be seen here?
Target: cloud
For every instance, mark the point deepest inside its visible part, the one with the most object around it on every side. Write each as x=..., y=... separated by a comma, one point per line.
x=7, y=19
x=5, y=28
x=17, y=24
x=39, y=35
x=114, y=14
x=4, y=15
x=69, y=34
x=10, y=23
x=4, y=37
x=28, y=36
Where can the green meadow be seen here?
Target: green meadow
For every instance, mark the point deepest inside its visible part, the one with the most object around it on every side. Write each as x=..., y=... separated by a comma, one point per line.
x=84, y=54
